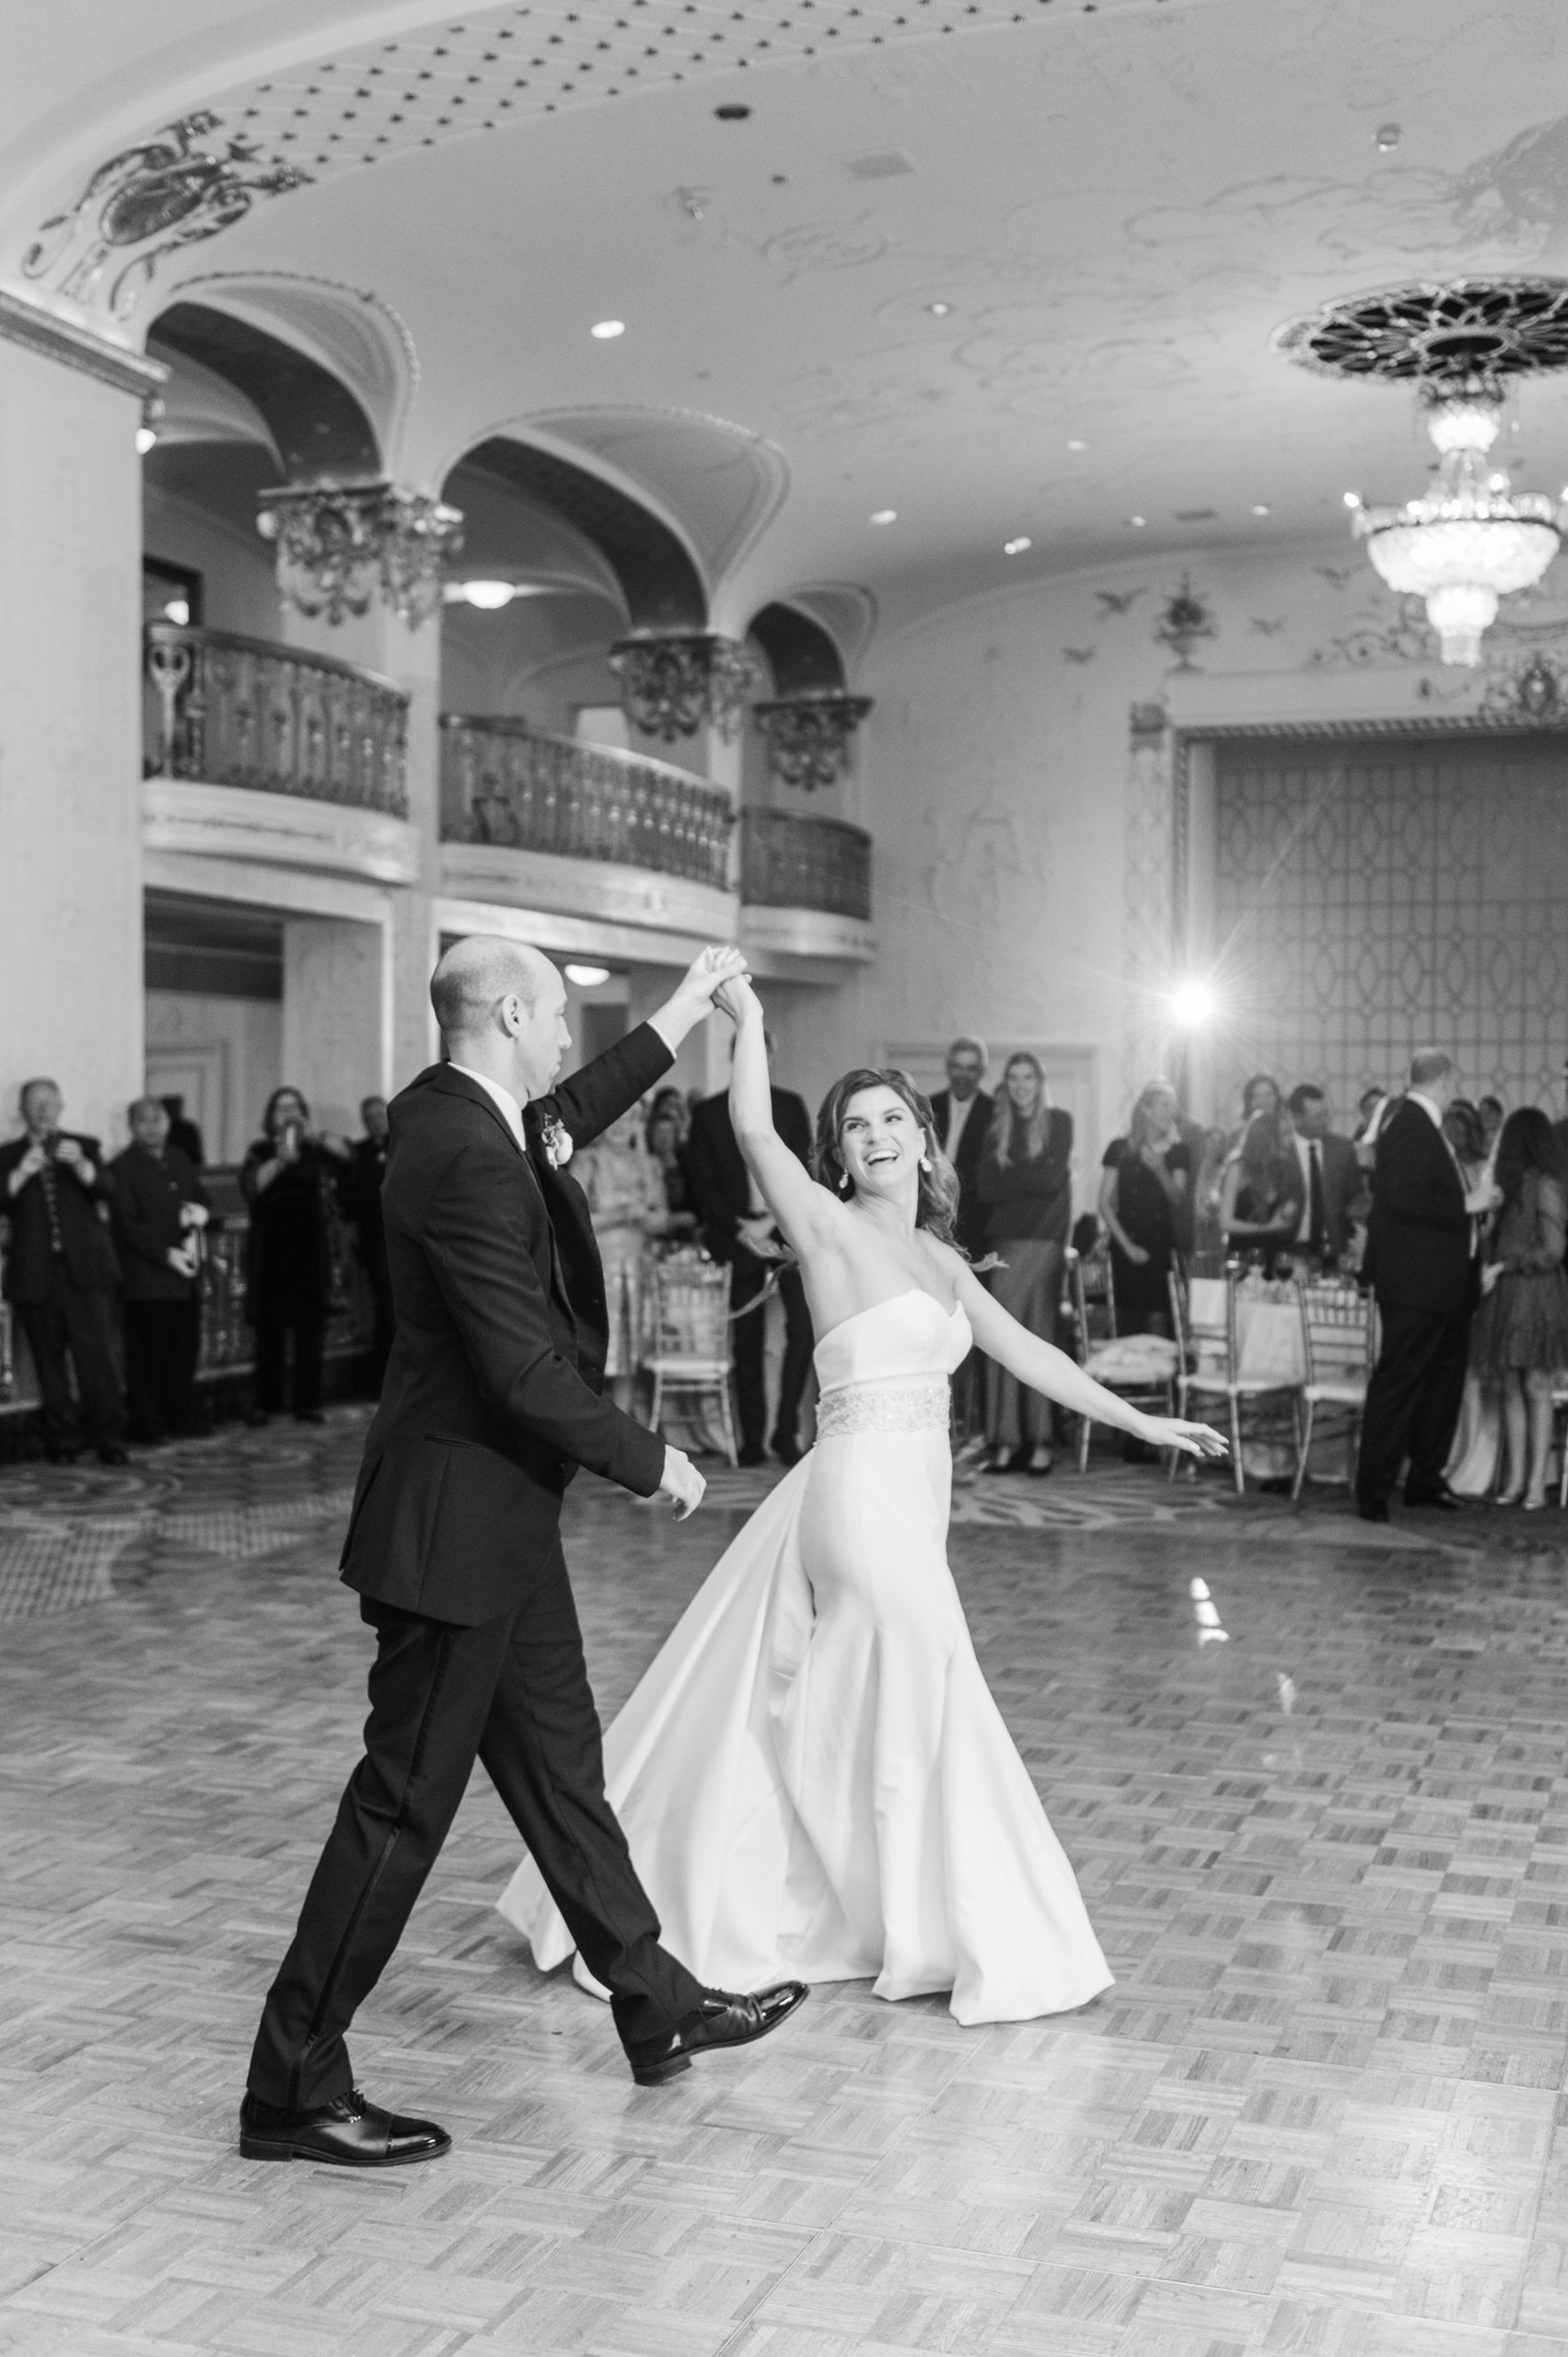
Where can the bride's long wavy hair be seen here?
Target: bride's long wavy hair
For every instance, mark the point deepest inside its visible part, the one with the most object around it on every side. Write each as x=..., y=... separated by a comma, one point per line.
x=938, y=1201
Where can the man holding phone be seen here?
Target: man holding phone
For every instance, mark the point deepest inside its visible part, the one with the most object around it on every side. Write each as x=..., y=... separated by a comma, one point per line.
x=62, y=1276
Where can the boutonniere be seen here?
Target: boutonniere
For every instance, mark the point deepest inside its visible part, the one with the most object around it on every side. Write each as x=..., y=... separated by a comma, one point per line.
x=557, y=1140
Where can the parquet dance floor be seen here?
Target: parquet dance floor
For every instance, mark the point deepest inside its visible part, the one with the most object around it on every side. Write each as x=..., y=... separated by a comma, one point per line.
x=1312, y=1777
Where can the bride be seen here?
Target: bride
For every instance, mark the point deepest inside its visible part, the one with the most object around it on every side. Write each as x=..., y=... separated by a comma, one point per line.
x=813, y=1776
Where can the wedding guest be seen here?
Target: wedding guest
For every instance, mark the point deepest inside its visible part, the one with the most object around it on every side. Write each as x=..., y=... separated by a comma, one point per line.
x=1025, y=1182
x=359, y=1196
x=1208, y=1191
x=667, y=1144
x=1491, y=1110
x=1520, y=1338
x=1146, y=1174
x=1329, y=1179
x=288, y=1179
x=160, y=1210
x=1463, y=1128
x=1260, y=1094
x=1420, y=1265
x=61, y=1275
x=671, y=1103
x=1261, y=1202
x=184, y=1137
x=963, y=1113
x=624, y=1187
x=737, y=1229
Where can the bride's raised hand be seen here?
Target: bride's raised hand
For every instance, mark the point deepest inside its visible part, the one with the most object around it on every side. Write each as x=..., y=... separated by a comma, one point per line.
x=733, y=994
x=1191, y=1440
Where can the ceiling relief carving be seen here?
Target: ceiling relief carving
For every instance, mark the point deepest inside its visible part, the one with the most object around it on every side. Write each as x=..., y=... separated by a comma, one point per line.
x=360, y=105
x=186, y=183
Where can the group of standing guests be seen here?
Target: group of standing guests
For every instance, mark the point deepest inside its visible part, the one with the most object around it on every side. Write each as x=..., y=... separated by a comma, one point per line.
x=1465, y=1261
x=91, y=1237
x=95, y=1239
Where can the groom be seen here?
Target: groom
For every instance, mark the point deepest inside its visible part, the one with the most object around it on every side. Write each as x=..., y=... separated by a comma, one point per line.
x=490, y=1402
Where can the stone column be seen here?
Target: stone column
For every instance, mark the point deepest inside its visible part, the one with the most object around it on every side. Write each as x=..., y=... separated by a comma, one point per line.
x=70, y=716
x=409, y=946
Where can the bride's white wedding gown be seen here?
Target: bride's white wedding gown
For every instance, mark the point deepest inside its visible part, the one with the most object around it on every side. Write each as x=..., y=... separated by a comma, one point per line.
x=813, y=1776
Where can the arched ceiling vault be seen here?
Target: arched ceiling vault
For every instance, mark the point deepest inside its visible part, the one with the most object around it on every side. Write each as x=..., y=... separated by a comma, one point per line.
x=1007, y=273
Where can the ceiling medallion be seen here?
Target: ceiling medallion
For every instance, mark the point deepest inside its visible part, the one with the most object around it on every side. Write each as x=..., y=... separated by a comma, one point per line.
x=167, y=192
x=809, y=735
x=1472, y=540
x=671, y=681
x=338, y=543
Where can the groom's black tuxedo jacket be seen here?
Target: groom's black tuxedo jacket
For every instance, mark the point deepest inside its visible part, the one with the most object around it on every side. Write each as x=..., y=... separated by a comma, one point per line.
x=492, y=1396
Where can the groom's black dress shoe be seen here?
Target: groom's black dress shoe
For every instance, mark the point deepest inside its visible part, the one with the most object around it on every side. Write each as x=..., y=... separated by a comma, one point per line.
x=350, y=2132
x=1444, y=1497
x=720, y=2020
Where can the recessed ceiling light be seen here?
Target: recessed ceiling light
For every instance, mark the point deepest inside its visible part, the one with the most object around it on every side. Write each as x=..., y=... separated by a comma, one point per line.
x=1139, y=521
x=939, y=310
x=607, y=329
x=1352, y=499
x=1077, y=445
x=1387, y=136
x=1259, y=508
x=884, y=515
x=1016, y=548
x=587, y=978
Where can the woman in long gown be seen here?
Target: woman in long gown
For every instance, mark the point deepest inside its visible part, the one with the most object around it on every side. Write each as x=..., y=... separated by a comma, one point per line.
x=813, y=1776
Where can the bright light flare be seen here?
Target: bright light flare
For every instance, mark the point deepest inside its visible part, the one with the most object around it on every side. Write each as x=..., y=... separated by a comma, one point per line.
x=587, y=978
x=1194, y=1004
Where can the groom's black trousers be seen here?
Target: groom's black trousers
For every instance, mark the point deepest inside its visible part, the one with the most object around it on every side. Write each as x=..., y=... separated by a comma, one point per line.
x=515, y=1693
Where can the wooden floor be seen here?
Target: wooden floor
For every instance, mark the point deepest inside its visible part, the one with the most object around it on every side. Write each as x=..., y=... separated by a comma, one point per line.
x=1327, y=1851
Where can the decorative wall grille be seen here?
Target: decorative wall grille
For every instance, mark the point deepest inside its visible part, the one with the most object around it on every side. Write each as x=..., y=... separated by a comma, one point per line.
x=1377, y=895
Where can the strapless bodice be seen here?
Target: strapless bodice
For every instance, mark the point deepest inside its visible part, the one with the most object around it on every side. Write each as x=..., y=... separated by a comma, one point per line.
x=910, y=1338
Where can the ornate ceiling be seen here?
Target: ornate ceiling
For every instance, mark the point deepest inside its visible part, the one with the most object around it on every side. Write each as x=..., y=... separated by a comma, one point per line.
x=947, y=242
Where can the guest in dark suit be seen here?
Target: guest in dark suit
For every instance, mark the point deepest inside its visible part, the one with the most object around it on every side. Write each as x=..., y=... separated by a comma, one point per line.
x=963, y=1113
x=184, y=1137
x=492, y=1401
x=1332, y=1185
x=160, y=1210
x=1421, y=1264
x=62, y=1276
x=738, y=1228
x=359, y=1193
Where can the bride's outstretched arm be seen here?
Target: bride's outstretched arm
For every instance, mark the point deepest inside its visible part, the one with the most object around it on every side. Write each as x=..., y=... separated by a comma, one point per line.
x=1045, y=1369
x=796, y=1202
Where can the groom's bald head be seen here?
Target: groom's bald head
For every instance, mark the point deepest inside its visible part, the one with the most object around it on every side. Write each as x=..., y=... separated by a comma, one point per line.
x=475, y=978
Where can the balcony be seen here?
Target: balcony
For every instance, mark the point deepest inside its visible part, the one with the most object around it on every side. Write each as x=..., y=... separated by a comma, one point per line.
x=259, y=752
x=805, y=886
x=537, y=821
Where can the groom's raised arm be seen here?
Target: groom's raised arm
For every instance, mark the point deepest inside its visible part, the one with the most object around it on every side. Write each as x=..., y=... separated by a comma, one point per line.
x=593, y=1098
x=607, y=1088
x=482, y=1262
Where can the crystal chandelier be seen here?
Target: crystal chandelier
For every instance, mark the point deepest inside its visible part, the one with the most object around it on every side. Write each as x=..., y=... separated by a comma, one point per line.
x=338, y=543
x=1471, y=539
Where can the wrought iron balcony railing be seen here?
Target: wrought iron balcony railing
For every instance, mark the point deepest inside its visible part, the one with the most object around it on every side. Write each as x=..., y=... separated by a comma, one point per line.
x=229, y=711
x=504, y=783
x=788, y=861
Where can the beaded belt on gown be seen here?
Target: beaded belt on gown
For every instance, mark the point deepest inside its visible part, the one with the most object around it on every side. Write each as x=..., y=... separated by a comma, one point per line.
x=883, y=1407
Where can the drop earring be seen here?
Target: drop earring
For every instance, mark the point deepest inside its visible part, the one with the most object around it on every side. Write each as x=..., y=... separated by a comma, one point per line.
x=925, y=1162
x=843, y=1182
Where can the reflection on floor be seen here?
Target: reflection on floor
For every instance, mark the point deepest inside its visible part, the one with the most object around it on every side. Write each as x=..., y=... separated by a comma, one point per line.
x=1312, y=1776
